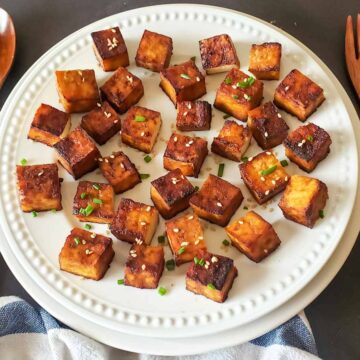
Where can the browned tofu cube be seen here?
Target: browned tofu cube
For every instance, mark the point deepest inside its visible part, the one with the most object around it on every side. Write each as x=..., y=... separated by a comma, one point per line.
x=39, y=187
x=213, y=277
x=264, y=176
x=183, y=82
x=86, y=254
x=135, y=222
x=253, y=236
x=78, y=90
x=110, y=48
x=304, y=199
x=154, y=51
x=193, y=115
x=238, y=94
x=49, y=125
x=77, y=153
x=232, y=141
x=267, y=126
x=122, y=90
x=307, y=145
x=265, y=61
x=298, y=95
x=217, y=200
x=185, y=153
x=119, y=171
x=141, y=128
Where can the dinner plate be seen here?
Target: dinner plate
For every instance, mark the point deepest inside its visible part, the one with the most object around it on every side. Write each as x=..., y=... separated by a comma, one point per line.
x=259, y=288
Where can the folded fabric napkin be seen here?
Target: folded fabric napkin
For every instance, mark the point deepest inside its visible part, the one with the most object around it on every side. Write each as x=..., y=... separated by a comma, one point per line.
x=32, y=333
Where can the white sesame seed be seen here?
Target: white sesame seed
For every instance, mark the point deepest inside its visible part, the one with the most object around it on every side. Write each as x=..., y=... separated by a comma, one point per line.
x=83, y=242
x=266, y=251
x=148, y=208
x=187, y=145
x=93, y=235
x=80, y=73
x=143, y=133
x=191, y=142
x=112, y=156
x=234, y=86
x=214, y=259
x=287, y=88
x=116, y=121
x=273, y=182
x=279, y=115
x=122, y=166
x=268, y=153
x=262, y=178
x=185, y=113
x=142, y=223
x=267, y=192
x=107, y=114
x=206, y=266
x=250, y=158
x=197, y=79
x=138, y=241
x=132, y=251
x=247, y=97
x=189, y=106
x=190, y=217
x=286, y=178
x=113, y=30
x=184, y=243
x=88, y=252
x=207, y=263
x=98, y=104
x=41, y=172
x=133, y=255
x=241, y=222
x=143, y=266
x=100, y=159
x=196, y=242
x=129, y=78
x=106, y=160
x=201, y=237
x=266, y=134
x=175, y=139
x=219, y=204
x=176, y=230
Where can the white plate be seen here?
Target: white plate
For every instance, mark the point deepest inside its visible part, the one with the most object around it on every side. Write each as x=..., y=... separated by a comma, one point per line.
x=260, y=288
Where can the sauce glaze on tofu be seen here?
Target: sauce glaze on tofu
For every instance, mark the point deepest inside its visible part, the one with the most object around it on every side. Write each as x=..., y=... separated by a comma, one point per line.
x=193, y=116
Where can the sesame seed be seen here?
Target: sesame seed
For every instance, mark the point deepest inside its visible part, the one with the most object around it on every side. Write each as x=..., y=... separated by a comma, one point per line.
x=83, y=242
x=266, y=251
x=143, y=266
x=112, y=156
x=206, y=266
x=143, y=133
x=262, y=178
x=93, y=235
x=175, y=139
x=106, y=160
x=279, y=115
x=201, y=237
x=197, y=79
x=132, y=251
x=207, y=263
x=196, y=242
x=273, y=182
x=250, y=158
x=129, y=79
x=122, y=166
x=219, y=204
x=241, y=222
x=148, y=208
x=190, y=217
x=266, y=134
x=116, y=121
x=267, y=192
x=268, y=153
x=133, y=255
x=98, y=104
x=41, y=172
x=113, y=30
x=214, y=259
x=189, y=106
x=138, y=241
x=286, y=178
x=191, y=142
x=80, y=73
x=184, y=243
x=234, y=86
x=142, y=223
x=176, y=230
x=185, y=113
x=107, y=114
x=187, y=145
x=100, y=159
x=287, y=88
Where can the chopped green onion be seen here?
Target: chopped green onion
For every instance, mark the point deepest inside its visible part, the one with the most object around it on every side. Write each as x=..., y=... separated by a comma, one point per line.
x=83, y=195
x=147, y=158
x=170, y=264
x=235, y=97
x=181, y=250
x=247, y=97
x=53, y=211
x=211, y=286
x=268, y=171
x=139, y=118
x=77, y=241
x=227, y=81
x=96, y=186
x=144, y=176
x=121, y=282
x=221, y=170
x=23, y=162
x=284, y=163
x=34, y=214
x=310, y=138
x=321, y=214
x=196, y=260
x=185, y=76
x=244, y=159
x=196, y=188
x=246, y=83
x=226, y=242
x=87, y=211
x=87, y=226
x=97, y=201
x=202, y=262
x=162, y=291
x=193, y=58
x=161, y=239
x=245, y=208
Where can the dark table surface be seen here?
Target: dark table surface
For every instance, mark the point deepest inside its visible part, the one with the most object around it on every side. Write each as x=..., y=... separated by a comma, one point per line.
x=335, y=314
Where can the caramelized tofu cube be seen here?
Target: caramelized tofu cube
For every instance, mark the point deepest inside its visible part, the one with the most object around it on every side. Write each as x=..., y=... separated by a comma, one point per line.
x=78, y=90
x=141, y=128
x=253, y=236
x=298, y=95
x=38, y=187
x=304, y=200
x=267, y=126
x=238, y=94
x=307, y=146
x=232, y=141
x=183, y=82
x=193, y=115
x=154, y=51
x=216, y=201
x=77, y=153
x=122, y=90
x=86, y=254
x=185, y=153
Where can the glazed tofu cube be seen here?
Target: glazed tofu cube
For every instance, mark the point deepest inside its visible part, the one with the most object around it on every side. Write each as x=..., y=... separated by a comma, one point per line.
x=265, y=61
x=183, y=82
x=78, y=90
x=185, y=153
x=238, y=94
x=154, y=51
x=232, y=141
x=39, y=187
x=253, y=236
x=214, y=279
x=119, y=171
x=193, y=116
x=307, y=146
x=86, y=254
x=77, y=153
x=216, y=201
x=298, y=95
x=49, y=125
x=264, y=176
x=267, y=126
x=141, y=128
x=135, y=222
x=110, y=48
x=171, y=193
x=304, y=199
x=122, y=90
x=144, y=266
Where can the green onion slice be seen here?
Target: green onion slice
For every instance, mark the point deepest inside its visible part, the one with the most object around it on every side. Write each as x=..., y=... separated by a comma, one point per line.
x=87, y=226
x=226, y=242
x=147, y=158
x=162, y=291
x=83, y=195
x=211, y=286
x=97, y=201
x=221, y=170
x=144, y=176
x=284, y=163
x=121, y=282
x=170, y=264
x=23, y=162
x=185, y=76
x=227, y=81
x=181, y=250
x=139, y=118
x=268, y=171
x=96, y=186
x=161, y=239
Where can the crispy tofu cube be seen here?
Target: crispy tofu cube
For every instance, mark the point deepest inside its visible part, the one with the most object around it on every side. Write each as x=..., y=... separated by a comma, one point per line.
x=49, y=125
x=217, y=200
x=77, y=153
x=193, y=115
x=307, y=145
x=218, y=54
x=267, y=126
x=265, y=61
x=304, y=200
x=186, y=153
x=154, y=51
x=119, y=171
x=135, y=222
x=214, y=279
x=171, y=193
x=144, y=266
x=122, y=90
x=39, y=187
x=298, y=95
x=183, y=82
x=253, y=236
x=86, y=254
x=141, y=128
x=110, y=48
x=238, y=94
x=78, y=90
x=232, y=141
